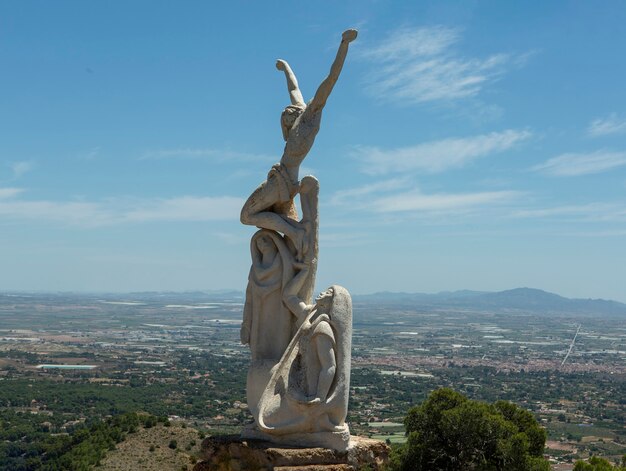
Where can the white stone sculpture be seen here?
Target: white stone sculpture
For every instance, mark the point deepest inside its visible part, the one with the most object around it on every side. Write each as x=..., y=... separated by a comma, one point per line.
x=299, y=377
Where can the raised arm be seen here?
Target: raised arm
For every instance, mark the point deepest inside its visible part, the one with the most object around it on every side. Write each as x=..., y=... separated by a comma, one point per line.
x=323, y=92
x=292, y=83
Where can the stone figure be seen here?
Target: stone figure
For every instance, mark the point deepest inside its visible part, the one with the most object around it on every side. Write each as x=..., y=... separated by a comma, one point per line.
x=308, y=390
x=299, y=377
x=272, y=267
x=271, y=205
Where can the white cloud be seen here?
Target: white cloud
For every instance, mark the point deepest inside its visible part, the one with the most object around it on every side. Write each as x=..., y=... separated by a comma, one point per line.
x=437, y=156
x=440, y=202
x=9, y=192
x=218, y=155
x=86, y=214
x=557, y=211
x=92, y=154
x=384, y=197
x=352, y=194
x=117, y=211
x=186, y=208
x=413, y=42
x=342, y=239
x=591, y=212
x=615, y=233
x=417, y=65
x=571, y=164
x=612, y=124
x=21, y=167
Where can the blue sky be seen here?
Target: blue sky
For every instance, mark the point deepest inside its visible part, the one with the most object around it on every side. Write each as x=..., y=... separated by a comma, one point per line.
x=469, y=145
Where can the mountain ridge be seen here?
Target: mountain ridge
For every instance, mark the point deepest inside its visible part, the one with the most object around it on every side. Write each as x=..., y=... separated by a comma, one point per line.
x=516, y=299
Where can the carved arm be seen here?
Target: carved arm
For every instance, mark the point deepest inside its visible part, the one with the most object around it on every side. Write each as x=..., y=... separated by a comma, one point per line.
x=323, y=92
x=292, y=83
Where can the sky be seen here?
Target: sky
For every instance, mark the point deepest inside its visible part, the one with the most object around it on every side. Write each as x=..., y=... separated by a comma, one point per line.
x=467, y=145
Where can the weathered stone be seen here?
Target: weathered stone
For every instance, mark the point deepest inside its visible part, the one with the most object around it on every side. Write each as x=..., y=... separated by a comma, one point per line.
x=299, y=378
x=321, y=467
x=232, y=453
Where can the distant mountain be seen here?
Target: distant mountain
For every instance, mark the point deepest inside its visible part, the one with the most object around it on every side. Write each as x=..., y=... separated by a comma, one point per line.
x=434, y=297
x=518, y=299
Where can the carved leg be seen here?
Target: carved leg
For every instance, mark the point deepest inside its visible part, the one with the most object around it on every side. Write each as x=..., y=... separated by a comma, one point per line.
x=257, y=211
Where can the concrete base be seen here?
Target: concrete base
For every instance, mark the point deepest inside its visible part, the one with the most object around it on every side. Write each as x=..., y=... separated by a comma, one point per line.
x=233, y=453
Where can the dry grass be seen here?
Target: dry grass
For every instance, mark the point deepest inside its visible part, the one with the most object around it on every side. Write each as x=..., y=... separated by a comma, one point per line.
x=134, y=452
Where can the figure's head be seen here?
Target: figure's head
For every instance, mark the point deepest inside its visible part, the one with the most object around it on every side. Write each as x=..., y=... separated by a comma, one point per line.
x=288, y=117
x=265, y=244
x=324, y=300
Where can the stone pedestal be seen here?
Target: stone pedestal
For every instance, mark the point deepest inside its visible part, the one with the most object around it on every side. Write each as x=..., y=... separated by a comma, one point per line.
x=233, y=453
x=339, y=440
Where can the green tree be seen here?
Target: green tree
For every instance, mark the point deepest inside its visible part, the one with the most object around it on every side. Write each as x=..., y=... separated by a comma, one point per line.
x=599, y=464
x=450, y=432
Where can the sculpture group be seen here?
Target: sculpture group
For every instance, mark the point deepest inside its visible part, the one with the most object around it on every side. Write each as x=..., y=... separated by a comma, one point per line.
x=299, y=377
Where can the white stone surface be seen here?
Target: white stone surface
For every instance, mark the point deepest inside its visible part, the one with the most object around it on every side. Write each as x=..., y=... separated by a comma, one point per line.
x=299, y=377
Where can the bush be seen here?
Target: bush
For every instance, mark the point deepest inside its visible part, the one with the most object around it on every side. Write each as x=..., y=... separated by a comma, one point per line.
x=599, y=464
x=450, y=432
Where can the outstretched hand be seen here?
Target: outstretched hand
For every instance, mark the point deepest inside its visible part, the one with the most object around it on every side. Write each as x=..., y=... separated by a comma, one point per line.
x=349, y=35
x=281, y=65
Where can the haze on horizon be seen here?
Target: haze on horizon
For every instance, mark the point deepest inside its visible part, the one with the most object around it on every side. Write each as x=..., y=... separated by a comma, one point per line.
x=476, y=147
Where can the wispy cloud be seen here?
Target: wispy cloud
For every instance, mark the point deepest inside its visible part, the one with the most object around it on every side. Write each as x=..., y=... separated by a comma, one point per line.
x=21, y=167
x=437, y=156
x=571, y=165
x=186, y=208
x=567, y=210
x=9, y=192
x=614, y=233
x=438, y=202
x=391, y=196
x=352, y=194
x=590, y=212
x=413, y=42
x=118, y=211
x=612, y=124
x=417, y=65
x=217, y=155
x=91, y=154
x=342, y=239
x=68, y=212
